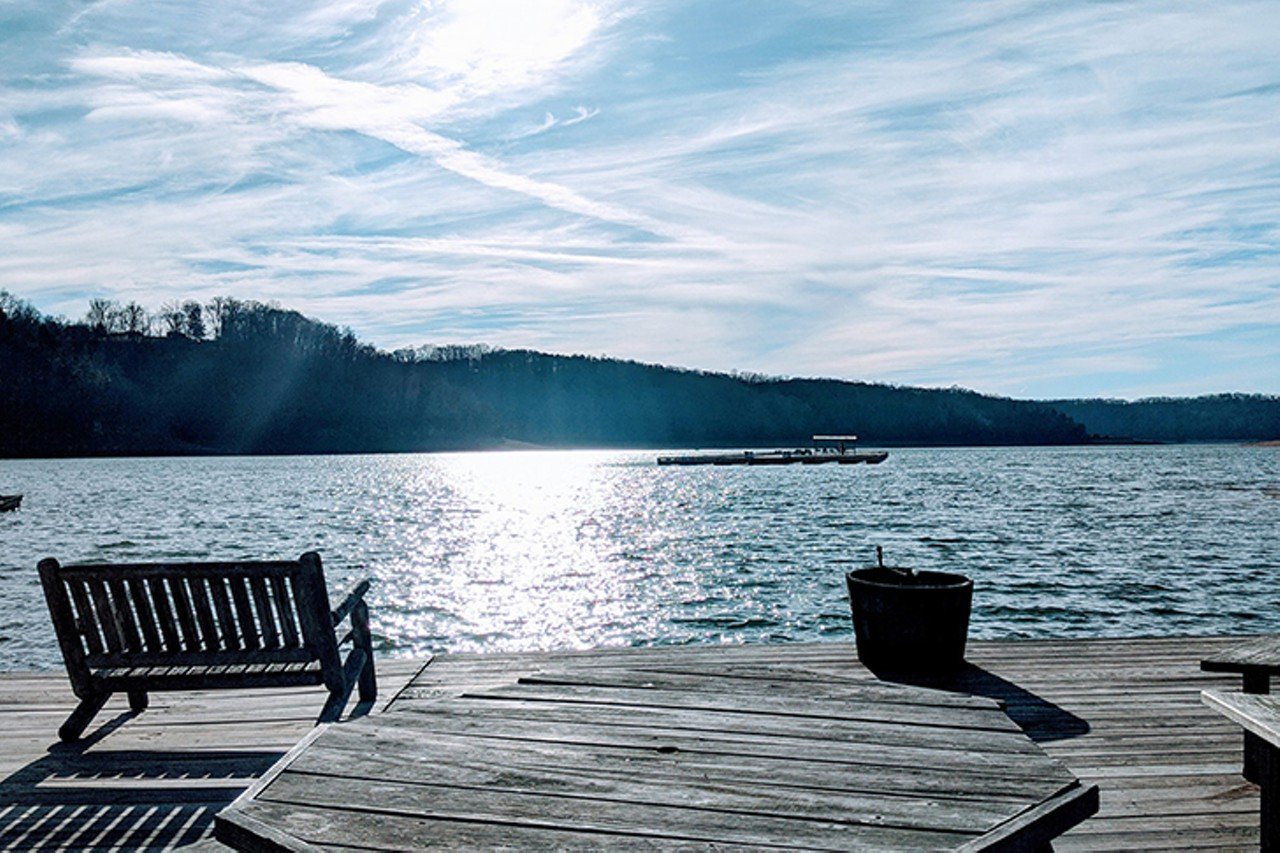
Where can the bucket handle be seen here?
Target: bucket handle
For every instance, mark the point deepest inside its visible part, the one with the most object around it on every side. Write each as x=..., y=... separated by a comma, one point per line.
x=904, y=571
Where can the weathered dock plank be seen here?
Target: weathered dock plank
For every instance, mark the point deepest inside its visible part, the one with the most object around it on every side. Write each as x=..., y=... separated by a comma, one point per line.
x=715, y=778
x=1124, y=714
x=142, y=781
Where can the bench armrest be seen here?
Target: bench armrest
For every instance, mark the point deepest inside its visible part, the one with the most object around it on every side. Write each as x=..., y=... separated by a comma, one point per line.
x=349, y=603
x=1258, y=713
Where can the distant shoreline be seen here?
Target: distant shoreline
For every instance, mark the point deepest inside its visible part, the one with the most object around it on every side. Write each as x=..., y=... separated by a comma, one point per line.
x=263, y=380
x=526, y=447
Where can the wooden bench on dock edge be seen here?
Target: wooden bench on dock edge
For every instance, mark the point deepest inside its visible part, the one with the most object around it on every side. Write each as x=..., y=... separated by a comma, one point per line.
x=1256, y=660
x=144, y=627
x=1259, y=715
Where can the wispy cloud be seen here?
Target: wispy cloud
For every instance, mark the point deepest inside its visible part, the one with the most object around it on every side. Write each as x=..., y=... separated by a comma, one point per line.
x=1026, y=199
x=580, y=114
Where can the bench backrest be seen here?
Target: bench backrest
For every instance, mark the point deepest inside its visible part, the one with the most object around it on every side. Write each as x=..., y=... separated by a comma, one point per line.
x=190, y=614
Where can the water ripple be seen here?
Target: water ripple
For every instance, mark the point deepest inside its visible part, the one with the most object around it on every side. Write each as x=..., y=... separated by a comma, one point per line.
x=540, y=550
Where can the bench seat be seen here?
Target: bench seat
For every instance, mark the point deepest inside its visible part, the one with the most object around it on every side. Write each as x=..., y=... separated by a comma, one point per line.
x=159, y=678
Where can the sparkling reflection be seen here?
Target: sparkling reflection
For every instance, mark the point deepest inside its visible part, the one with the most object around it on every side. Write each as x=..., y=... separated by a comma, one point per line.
x=535, y=550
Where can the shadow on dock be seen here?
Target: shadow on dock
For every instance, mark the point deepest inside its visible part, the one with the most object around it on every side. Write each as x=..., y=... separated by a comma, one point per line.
x=80, y=798
x=1041, y=719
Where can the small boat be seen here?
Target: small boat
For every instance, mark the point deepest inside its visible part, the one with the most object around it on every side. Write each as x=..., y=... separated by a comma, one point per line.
x=8, y=503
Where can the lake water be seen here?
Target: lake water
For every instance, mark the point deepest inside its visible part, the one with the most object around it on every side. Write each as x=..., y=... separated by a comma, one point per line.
x=534, y=550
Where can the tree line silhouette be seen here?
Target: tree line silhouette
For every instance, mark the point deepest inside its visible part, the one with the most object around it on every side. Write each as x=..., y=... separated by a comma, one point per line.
x=1215, y=417
x=241, y=376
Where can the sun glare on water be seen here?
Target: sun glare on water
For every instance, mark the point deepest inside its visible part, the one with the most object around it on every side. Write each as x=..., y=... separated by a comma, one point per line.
x=507, y=545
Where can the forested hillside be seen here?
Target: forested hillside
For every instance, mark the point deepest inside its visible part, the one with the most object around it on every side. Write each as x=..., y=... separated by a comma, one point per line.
x=244, y=377
x=1218, y=417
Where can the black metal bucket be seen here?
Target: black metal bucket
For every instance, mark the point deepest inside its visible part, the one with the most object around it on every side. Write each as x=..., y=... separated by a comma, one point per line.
x=910, y=621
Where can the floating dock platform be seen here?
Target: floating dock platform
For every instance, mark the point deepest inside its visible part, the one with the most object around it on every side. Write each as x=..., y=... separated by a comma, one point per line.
x=777, y=457
x=837, y=451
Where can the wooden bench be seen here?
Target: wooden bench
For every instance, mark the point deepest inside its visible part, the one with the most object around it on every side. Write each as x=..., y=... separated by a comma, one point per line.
x=145, y=627
x=1256, y=660
x=1259, y=715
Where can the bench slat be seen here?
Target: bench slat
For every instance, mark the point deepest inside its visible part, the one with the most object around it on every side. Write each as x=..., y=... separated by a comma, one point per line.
x=106, y=620
x=186, y=615
x=284, y=605
x=204, y=612
x=86, y=622
x=122, y=615
x=222, y=610
x=146, y=616
x=266, y=619
x=165, y=619
x=244, y=612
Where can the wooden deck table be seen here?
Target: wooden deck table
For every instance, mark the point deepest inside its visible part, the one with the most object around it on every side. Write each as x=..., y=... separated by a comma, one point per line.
x=745, y=755
x=1259, y=715
x=1256, y=660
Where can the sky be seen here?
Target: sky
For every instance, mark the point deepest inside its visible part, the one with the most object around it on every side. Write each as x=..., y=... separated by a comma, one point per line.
x=1055, y=199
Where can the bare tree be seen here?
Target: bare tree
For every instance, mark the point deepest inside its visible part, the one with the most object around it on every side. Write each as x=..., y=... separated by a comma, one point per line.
x=220, y=311
x=173, y=318
x=195, y=319
x=115, y=319
x=99, y=315
x=16, y=308
x=135, y=319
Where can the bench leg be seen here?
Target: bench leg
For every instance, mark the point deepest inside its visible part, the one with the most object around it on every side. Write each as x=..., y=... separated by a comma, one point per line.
x=1254, y=758
x=138, y=700
x=1270, y=808
x=368, y=681
x=333, y=706
x=1254, y=746
x=81, y=717
x=362, y=639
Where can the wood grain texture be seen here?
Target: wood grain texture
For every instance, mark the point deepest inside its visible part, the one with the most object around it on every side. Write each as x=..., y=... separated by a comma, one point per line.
x=1259, y=653
x=710, y=757
x=1125, y=714
x=1256, y=713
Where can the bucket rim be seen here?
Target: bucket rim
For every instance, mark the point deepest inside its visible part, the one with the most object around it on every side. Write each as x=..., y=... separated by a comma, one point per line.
x=924, y=579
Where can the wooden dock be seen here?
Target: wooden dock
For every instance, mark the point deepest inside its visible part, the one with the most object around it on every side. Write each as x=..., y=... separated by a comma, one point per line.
x=1124, y=714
